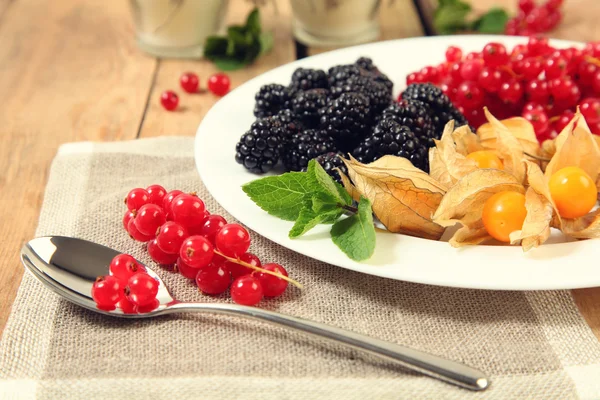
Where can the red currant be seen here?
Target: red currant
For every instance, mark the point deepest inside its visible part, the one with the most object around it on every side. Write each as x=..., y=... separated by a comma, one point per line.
x=519, y=50
x=156, y=194
x=147, y=307
x=189, y=82
x=107, y=291
x=171, y=236
x=272, y=285
x=141, y=289
x=538, y=45
x=469, y=95
x=187, y=270
x=453, y=54
x=454, y=71
x=448, y=89
x=196, y=251
x=511, y=91
x=213, y=279
x=536, y=20
x=530, y=106
x=126, y=306
x=554, y=4
x=490, y=79
x=430, y=74
x=586, y=73
x=539, y=120
x=212, y=225
x=219, y=84
x=555, y=67
x=415, y=77
x=474, y=55
x=169, y=100
x=238, y=270
x=593, y=49
x=246, y=290
x=590, y=108
x=596, y=83
x=232, y=240
x=129, y=215
x=512, y=26
x=563, y=88
x=188, y=210
x=136, y=198
x=526, y=5
x=158, y=255
x=531, y=68
x=149, y=218
x=563, y=120
x=537, y=90
x=135, y=234
x=123, y=266
x=168, y=199
x=471, y=69
x=554, y=18
x=494, y=54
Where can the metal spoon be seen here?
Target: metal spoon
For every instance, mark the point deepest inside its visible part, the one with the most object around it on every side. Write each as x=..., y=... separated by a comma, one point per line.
x=70, y=266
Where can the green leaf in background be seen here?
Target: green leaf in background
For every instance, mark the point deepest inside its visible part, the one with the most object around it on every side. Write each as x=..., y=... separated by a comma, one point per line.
x=242, y=45
x=308, y=219
x=283, y=196
x=266, y=41
x=493, y=21
x=253, y=22
x=450, y=16
x=355, y=235
x=215, y=46
x=323, y=180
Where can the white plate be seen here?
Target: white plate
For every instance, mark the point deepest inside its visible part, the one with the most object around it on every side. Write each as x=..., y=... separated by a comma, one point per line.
x=552, y=266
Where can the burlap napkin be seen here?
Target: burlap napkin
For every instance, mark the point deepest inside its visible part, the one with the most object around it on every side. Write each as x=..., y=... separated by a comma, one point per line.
x=532, y=344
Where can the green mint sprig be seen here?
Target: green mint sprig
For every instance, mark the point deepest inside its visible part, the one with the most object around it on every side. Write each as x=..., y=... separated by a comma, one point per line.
x=311, y=198
x=451, y=16
x=242, y=45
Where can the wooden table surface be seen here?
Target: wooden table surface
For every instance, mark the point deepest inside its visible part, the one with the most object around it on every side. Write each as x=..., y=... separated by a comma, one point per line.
x=70, y=71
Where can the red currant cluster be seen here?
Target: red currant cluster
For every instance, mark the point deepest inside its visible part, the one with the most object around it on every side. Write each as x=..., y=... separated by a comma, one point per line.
x=218, y=84
x=180, y=232
x=535, y=80
x=532, y=19
x=129, y=286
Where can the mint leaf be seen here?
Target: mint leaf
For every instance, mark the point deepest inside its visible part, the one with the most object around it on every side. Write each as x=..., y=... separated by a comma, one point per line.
x=253, y=22
x=355, y=235
x=266, y=42
x=215, y=46
x=343, y=194
x=283, y=196
x=326, y=183
x=323, y=202
x=308, y=219
x=493, y=21
x=450, y=16
x=229, y=64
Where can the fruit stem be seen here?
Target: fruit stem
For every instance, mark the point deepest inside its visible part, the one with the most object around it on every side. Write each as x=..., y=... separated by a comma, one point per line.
x=247, y=265
x=537, y=157
x=593, y=60
x=350, y=209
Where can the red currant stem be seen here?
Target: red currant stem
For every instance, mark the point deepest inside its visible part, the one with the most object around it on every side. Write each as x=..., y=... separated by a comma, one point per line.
x=555, y=118
x=593, y=60
x=510, y=71
x=537, y=157
x=247, y=265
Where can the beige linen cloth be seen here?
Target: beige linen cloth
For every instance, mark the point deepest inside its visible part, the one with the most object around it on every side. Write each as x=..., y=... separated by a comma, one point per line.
x=533, y=345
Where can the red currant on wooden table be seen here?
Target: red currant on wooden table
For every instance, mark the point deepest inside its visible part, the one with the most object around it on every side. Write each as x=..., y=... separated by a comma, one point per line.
x=272, y=285
x=141, y=289
x=590, y=108
x=188, y=210
x=246, y=290
x=107, y=291
x=136, y=234
x=219, y=84
x=149, y=218
x=189, y=82
x=196, y=251
x=136, y=198
x=124, y=266
x=169, y=100
x=127, y=217
x=212, y=225
x=171, y=236
x=156, y=194
x=159, y=256
x=186, y=270
x=238, y=270
x=453, y=54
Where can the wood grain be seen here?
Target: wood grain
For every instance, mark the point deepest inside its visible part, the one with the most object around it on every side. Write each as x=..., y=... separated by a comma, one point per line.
x=54, y=90
x=186, y=119
x=397, y=19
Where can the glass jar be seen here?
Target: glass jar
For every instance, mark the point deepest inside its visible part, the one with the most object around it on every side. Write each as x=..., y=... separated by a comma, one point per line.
x=335, y=22
x=176, y=28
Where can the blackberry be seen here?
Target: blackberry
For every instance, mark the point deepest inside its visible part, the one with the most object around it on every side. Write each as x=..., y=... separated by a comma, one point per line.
x=378, y=94
x=441, y=108
x=305, y=146
x=291, y=121
x=391, y=138
x=347, y=119
x=413, y=114
x=271, y=99
x=305, y=79
x=367, y=64
x=330, y=161
x=259, y=149
x=306, y=105
x=339, y=74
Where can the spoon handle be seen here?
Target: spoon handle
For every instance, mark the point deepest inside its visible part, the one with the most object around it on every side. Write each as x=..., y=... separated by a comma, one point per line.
x=428, y=364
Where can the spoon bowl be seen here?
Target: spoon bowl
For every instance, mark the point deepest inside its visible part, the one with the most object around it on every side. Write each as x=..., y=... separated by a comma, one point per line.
x=69, y=267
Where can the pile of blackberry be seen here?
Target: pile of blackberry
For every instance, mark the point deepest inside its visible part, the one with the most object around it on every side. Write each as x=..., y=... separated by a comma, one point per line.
x=347, y=110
